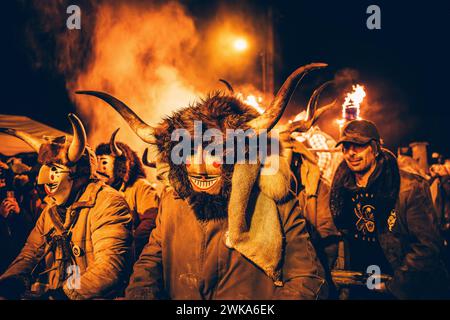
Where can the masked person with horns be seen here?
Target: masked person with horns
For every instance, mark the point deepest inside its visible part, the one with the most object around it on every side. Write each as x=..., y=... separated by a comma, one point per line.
x=225, y=231
x=122, y=169
x=81, y=245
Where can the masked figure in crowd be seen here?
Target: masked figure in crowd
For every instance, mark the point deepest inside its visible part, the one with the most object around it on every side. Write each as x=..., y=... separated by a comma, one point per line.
x=122, y=169
x=387, y=218
x=80, y=247
x=224, y=230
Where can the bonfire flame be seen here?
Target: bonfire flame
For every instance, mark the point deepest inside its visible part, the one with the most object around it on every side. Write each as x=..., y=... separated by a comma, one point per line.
x=252, y=101
x=351, y=105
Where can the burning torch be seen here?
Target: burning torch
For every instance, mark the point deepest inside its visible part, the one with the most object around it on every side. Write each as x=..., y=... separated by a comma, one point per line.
x=352, y=105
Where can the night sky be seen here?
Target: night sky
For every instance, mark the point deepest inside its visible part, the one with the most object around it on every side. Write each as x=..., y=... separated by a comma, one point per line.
x=407, y=61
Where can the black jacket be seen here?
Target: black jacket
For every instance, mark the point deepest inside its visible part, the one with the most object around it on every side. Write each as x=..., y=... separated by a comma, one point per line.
x=410, y=240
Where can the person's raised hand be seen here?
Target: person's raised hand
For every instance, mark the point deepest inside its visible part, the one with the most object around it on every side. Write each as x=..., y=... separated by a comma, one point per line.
x=9, y=205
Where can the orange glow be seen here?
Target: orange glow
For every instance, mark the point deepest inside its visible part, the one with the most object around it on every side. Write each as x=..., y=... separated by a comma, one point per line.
x=135, y=62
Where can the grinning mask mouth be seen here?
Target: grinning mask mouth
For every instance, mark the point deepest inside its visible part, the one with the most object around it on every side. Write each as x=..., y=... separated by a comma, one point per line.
x=204, y=183
x=205, y=173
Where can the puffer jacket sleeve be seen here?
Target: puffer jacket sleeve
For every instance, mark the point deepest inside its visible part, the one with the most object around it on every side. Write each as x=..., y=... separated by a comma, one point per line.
x=20, y=269
x=421, y=272
x=146, y=282
x=303, y=274
x=111, y=236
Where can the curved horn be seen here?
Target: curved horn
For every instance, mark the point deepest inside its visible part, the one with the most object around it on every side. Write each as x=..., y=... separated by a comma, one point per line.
x=143, y=130
x=312, y=113
x=32, y=141
x=113, y=146
x=145, y=160
x=314, y=99
x=274, y=112
x=78, y=143
x=229, y=87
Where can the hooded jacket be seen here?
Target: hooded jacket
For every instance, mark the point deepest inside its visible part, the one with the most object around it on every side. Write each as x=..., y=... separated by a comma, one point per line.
x=408, y=235
x=102, y=235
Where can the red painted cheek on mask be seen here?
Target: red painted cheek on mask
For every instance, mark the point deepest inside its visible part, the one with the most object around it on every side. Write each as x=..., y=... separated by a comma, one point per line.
x=216, y=164
x=52, y=177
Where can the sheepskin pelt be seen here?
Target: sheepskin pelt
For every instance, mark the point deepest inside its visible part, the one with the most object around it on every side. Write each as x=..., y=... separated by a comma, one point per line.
x=127, y=168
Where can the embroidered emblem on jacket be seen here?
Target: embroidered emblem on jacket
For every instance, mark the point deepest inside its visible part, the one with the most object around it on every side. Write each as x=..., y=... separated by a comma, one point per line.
x=391, y=220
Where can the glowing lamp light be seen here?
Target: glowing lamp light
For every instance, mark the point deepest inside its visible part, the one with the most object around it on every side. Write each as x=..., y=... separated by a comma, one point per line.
x=240, y=44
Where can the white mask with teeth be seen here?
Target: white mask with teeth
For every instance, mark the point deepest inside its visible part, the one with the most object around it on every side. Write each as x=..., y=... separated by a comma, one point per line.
x=57, y=181
x=205, y=175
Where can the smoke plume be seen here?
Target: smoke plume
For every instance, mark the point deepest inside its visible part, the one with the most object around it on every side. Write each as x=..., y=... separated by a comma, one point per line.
x=150, y=55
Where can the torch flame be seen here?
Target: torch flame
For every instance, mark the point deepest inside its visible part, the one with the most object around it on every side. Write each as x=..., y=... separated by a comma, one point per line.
x=351, y=106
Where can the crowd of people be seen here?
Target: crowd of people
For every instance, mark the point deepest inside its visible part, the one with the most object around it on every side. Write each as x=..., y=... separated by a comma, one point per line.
x=79, y=223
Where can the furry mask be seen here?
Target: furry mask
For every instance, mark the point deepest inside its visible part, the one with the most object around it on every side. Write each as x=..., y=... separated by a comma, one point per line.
x=216, y=111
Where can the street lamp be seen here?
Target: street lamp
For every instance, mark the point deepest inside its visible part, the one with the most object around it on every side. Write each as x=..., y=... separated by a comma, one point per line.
x=240, y=44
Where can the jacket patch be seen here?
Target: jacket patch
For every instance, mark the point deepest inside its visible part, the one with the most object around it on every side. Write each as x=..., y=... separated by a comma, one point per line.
x=392, y=219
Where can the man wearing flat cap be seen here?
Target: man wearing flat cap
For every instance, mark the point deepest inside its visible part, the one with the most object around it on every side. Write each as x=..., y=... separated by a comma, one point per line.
x=387, y=220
